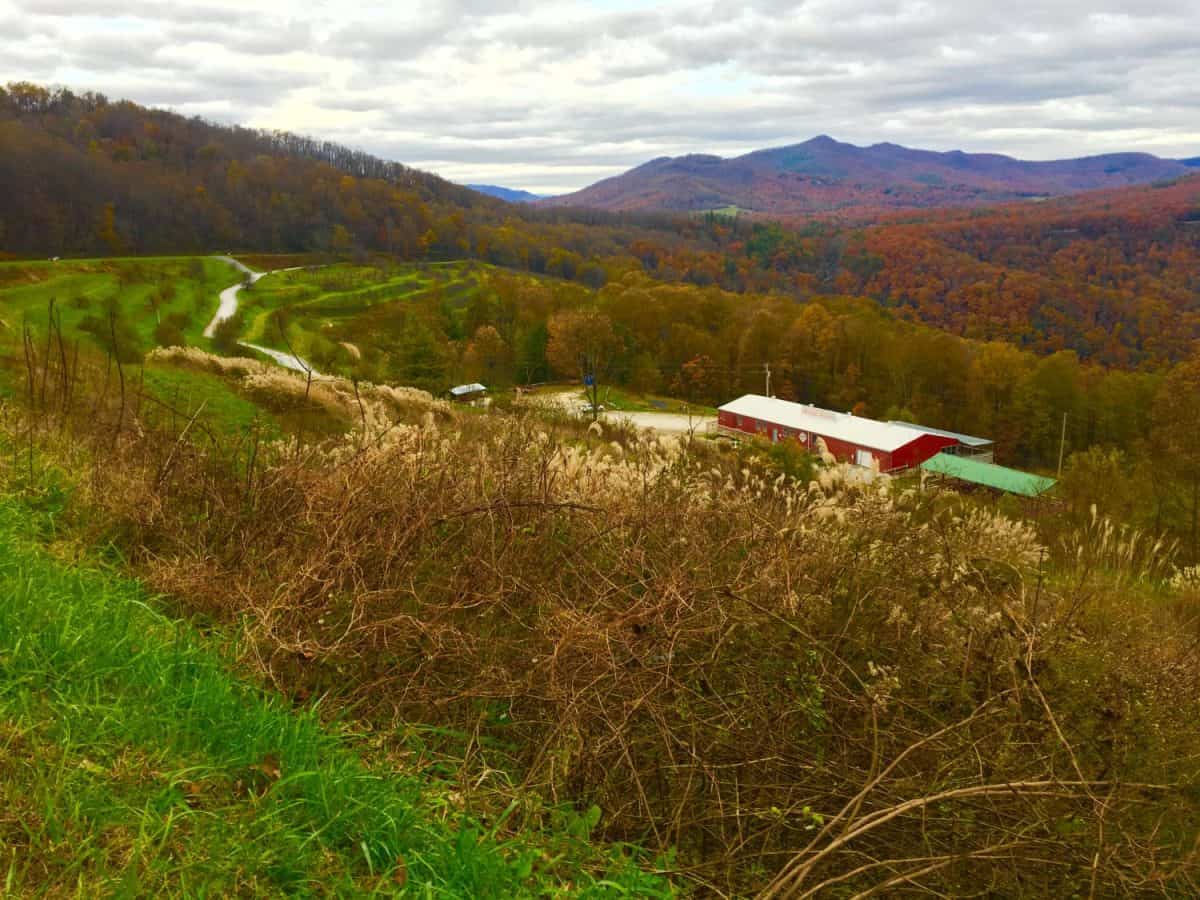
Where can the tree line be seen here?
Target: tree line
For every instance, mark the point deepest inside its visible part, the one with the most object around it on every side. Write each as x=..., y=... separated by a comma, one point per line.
x=1111, y=275
x=707, y=345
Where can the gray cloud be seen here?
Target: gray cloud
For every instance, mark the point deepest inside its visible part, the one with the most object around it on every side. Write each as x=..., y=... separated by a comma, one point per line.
x=552, y=94
x=283, y=37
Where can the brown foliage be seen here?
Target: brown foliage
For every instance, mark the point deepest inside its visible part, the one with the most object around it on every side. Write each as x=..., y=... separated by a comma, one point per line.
x=823, y=684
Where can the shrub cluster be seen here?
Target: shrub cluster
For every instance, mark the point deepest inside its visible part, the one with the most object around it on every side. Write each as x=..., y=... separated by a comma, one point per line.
x=793, y=685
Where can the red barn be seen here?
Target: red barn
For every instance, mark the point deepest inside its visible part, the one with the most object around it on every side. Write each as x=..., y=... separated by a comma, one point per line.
x=852, y=439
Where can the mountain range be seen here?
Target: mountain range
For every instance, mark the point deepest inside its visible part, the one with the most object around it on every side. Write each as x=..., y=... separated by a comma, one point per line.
x=512, y=195
x=825, y=175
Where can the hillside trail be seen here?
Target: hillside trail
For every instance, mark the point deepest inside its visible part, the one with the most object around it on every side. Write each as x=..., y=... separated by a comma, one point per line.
x=227, y=308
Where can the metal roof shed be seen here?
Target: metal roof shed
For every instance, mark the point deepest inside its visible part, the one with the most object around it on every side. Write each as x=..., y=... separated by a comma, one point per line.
x=856, y=430
x=852, y=439
x=990, y=475
x=967, y=440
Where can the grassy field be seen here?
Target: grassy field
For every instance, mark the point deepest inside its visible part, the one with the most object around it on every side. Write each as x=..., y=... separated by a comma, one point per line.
x=137, y=755
x=363, y=306
x=386, y=322
x=625, y=400
x=267, y=262
x=145, y=293
x=135, y=762
x=210, y=396
x=550, y=639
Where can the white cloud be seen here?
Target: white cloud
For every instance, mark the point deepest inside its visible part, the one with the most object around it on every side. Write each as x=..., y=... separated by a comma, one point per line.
x=552, y=94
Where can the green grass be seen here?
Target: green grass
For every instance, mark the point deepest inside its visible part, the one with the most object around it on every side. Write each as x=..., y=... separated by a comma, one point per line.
x=134, y=762
x=313, y=298
x=146, y=290
x=265, y=262
x=351, y=303
x=224, y=409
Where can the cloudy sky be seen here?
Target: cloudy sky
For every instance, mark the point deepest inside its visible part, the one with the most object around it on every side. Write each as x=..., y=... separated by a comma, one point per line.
x=551, y=95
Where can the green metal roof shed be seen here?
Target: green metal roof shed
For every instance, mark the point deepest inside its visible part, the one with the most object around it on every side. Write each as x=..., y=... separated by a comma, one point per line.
x=988, y=474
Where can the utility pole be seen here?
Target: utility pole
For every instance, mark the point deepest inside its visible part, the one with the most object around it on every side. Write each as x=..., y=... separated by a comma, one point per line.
x=1062, y=445
x=767, y=369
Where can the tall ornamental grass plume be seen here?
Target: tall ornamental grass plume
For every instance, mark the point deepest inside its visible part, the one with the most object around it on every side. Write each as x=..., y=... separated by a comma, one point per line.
x=1186, y=580
x=370, y=408
x=820, y=688
x=1119, y=550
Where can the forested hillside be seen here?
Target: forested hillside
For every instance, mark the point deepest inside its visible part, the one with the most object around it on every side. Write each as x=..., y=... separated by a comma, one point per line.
x=1110, y=276
x=85, y=175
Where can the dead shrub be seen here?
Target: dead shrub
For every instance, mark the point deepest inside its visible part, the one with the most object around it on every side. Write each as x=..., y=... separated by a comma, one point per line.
x=796, y=686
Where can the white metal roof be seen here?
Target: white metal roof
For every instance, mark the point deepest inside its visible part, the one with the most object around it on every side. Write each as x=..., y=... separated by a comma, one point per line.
x=823, y=422
x=474, y=388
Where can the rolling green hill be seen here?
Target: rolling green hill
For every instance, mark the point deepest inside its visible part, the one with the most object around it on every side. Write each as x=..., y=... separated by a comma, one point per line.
x=142, y=302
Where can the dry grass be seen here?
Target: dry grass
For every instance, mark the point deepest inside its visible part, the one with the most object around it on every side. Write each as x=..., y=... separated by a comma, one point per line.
x=815, y=683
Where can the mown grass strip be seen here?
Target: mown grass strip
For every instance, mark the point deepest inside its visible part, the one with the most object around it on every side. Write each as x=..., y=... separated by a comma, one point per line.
x=132, y=761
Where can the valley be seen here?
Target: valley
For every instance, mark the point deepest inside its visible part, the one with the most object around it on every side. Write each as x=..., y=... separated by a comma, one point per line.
x=362, y=534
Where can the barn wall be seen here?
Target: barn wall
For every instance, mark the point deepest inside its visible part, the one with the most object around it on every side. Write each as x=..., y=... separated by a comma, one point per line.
x=917, y=451
x=843, y=451
x=910, y=455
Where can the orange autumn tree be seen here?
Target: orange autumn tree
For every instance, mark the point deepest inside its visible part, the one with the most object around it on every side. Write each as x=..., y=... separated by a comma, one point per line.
x=582, y=344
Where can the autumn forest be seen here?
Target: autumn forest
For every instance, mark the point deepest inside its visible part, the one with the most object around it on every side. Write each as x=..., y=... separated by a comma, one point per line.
x=334, y=560
x=995, y=321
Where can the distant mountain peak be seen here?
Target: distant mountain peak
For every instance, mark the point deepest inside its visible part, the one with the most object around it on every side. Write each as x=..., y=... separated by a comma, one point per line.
x=823, y=175
x=512, y=195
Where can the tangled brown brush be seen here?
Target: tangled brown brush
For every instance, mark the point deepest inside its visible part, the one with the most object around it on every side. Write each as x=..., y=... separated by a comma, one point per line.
x=801, y=688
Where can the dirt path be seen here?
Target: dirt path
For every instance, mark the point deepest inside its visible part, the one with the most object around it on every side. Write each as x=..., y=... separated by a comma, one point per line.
x=287, y=360
x=228, y=301
x=663, y=423
x=227, y=308
x=660, y=422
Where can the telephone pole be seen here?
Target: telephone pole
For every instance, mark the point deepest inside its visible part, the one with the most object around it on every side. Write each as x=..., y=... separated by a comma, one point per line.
x=1062, y=445
x=767, y=369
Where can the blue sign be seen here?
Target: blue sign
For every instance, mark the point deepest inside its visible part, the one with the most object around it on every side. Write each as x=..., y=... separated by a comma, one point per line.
x=589, y=380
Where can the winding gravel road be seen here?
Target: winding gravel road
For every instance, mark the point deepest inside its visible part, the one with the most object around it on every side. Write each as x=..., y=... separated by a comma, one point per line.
x=287, y=360
x=227, y=308
x=229, y=304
